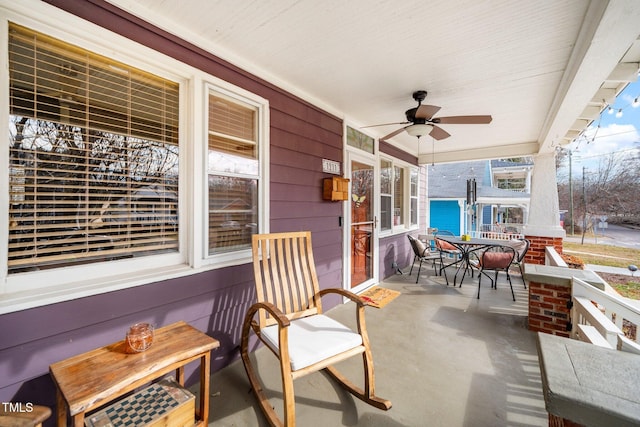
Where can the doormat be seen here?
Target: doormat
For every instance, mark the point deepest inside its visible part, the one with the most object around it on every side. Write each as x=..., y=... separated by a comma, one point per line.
x=378, y=297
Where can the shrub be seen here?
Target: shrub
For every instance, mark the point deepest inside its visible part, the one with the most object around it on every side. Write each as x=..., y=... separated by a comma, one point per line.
x=573, y=261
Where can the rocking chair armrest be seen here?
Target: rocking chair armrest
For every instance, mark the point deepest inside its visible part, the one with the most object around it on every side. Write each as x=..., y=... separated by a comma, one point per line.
x=345, y=293
x=275, y=312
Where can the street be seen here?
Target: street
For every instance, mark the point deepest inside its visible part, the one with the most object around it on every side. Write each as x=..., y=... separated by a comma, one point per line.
x=614, y=235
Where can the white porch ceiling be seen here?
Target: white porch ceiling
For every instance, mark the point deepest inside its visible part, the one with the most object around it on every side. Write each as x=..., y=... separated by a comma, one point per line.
x=541, y=68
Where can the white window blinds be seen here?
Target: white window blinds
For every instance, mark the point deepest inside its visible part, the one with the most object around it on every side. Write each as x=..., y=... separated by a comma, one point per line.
x=93, y=156
x=233, y=174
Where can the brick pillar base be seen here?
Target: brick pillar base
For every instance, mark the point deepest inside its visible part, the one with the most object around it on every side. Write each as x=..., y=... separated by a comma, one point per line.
x=555, y=421
x=548, y=304
x=548, y=311
x=536, y=252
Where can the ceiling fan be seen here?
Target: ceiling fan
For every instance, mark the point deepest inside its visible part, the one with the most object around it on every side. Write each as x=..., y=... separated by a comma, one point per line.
x=421, y=122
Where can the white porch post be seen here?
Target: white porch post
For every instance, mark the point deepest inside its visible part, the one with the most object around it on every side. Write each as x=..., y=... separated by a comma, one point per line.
x=525, y=212
x=544, y=213
x=543, y=223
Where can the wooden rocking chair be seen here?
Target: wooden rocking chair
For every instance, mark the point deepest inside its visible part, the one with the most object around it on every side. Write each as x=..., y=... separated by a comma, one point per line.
x=291, y=324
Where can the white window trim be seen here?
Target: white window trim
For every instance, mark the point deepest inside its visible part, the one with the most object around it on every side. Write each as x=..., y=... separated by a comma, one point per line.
x=32, y=289
x=406, y=225
x=262, y=105
x=417, y=197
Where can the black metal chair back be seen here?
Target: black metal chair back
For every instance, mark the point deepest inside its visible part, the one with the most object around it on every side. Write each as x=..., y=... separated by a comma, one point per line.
x=496, y=258
x=423, y=253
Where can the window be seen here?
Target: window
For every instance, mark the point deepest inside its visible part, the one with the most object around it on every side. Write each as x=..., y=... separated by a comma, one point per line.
x=359, y=140
x=233, y=170
x=386, y=195
x=414, y=197
x=398, y=196
x=510, y=183
x=93, y=147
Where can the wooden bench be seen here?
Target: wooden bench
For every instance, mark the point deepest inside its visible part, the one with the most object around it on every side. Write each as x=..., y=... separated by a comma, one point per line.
x=26, y=415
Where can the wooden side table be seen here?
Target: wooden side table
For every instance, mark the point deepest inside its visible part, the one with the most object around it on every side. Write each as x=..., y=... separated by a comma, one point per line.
x=90, y=380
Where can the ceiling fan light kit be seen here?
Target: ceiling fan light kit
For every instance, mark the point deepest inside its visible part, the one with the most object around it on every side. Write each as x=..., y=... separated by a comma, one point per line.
x=421, y=122
x=419, y=129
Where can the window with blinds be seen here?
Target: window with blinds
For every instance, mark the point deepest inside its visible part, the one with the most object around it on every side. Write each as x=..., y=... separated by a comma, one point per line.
x=233, y=173
x=93, y=150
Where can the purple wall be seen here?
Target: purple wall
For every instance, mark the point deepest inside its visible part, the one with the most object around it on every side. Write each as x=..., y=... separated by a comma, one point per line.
x=392, y=249
x=396, y=248
x=301, y=135
x=215, y=302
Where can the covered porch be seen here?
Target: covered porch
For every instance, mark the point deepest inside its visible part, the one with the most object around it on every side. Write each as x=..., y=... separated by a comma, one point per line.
x=442, y=357
x=445, y=357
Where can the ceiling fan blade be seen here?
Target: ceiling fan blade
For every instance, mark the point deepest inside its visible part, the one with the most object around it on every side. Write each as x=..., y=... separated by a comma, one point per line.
x=426, y=111
x=464, y=120
x=385, y=124
x=392, y=134
x=439, y=133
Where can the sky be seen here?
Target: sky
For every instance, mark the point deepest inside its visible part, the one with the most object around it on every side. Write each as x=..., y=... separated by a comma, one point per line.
x=614, y=135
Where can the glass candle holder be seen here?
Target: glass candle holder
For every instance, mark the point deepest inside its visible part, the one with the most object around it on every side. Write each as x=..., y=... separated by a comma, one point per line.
x=140, y=336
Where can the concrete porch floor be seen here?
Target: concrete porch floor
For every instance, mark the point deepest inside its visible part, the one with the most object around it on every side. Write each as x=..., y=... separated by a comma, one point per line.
x=443, y=357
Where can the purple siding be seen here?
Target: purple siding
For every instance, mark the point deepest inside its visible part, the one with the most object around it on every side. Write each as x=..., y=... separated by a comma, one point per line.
x=396, y=248
x=215, y=301
x=392, y=249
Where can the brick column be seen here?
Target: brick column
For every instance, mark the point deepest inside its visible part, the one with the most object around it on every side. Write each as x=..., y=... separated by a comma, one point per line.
x=556, y=421
x=536, y=252
x=548, y=303
x=548, y=308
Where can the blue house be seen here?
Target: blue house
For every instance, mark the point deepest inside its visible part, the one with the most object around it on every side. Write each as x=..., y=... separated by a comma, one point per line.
x=501, y=199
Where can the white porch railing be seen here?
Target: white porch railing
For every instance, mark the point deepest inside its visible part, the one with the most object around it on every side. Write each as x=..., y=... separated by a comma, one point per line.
x=498, y=231
x=552, y=257
x=496, y=235
x=603, y=318
x=506, y=227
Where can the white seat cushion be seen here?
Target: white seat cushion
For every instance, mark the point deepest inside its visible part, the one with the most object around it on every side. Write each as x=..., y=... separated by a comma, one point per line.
x=312, y=339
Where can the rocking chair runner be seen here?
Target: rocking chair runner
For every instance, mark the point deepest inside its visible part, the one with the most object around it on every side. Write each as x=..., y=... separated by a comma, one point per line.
x=290, y=322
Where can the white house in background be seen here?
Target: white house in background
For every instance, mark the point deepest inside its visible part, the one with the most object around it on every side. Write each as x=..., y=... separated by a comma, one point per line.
x=501, y=200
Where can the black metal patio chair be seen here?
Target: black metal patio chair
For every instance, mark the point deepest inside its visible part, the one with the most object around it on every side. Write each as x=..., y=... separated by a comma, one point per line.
x=423, y=253
x=495, y=258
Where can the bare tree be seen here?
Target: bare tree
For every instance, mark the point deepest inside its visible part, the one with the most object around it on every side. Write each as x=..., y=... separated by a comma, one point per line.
x=611, y=190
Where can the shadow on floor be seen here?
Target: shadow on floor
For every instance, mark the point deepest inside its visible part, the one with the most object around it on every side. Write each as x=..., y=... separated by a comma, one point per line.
x=443, y=357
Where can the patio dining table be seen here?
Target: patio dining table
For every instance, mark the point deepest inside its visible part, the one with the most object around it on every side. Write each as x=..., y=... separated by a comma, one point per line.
x=466, y=247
